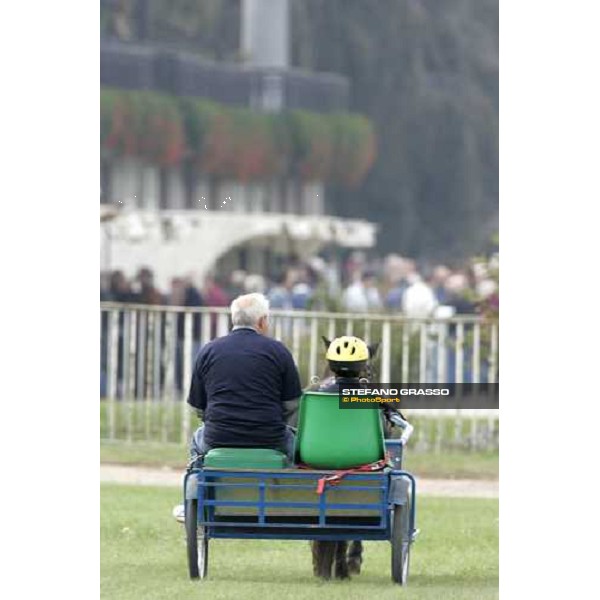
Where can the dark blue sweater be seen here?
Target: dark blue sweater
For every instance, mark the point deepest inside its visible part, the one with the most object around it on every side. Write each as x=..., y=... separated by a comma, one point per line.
x=241, y=381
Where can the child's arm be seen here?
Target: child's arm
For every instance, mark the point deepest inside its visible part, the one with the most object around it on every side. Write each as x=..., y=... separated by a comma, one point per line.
x=397, y=419
x=406, y=427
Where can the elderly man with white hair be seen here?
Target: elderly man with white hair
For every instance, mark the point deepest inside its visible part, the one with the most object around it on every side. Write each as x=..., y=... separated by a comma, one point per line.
x=245, y=385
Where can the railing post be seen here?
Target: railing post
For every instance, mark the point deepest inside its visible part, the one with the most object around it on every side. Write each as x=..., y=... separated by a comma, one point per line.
x=125, y=373
x=458, y=427
x=124, y=392
x=349, y=326
x=331, y=329
x=113, y=367
x=458, y=376
x=439, y=433
x=367, y=331
x=441, y=353
x=296, y=340
x=386, y=352
x=187, y=376
x=405, y=352
x=476, y=352
x=493, y=352
x=130, y=403
x=278, y=329
x=149, y=374
x=141, y=356
x=312, y=363
x=491, y=430
x=157, y=356
x=422, y=352
x=458, y=351
x=222, y=324
x=205, y=328
x=424, y=428
x=168, y=365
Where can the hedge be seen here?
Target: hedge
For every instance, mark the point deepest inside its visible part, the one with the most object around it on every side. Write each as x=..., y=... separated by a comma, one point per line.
x=238, y=143
x=147, y=125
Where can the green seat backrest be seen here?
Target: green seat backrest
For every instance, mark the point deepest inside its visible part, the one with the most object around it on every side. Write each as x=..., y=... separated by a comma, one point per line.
x=333, y=438
x=245, y=458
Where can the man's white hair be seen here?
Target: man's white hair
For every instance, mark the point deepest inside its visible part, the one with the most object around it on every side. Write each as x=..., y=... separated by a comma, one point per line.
x=246, y=310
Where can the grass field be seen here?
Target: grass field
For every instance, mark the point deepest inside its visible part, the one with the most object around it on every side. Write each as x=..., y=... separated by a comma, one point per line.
x=451, y=464
x=143, y=556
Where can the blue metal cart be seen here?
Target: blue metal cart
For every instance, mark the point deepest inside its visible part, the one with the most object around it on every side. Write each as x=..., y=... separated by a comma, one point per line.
x=284, y=504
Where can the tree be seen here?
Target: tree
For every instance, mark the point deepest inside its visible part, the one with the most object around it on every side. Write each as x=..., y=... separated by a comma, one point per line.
x=426, y=73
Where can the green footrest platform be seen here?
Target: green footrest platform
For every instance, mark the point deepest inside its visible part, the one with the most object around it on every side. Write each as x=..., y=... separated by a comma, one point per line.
x=245, y=458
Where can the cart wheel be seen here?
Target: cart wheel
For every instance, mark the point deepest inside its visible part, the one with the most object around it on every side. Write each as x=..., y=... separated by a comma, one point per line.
x=197, y=542
x=400, y=543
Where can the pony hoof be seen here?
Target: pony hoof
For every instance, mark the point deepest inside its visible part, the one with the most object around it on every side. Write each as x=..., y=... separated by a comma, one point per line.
x=342, y=573
x=354, y=566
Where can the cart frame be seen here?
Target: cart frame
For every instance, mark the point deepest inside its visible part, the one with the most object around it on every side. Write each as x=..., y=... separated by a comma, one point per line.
x=284, y=504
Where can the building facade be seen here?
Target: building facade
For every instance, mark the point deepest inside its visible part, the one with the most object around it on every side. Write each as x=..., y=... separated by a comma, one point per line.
x=200, y=164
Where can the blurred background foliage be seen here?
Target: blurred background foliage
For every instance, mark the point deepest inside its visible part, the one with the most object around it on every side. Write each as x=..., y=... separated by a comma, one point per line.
x=424, y=71
x=239, y=143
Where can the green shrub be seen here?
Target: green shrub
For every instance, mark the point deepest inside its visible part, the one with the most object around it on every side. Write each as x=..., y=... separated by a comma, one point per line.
x=143, y=124
x=354, y=142
x=237, y=143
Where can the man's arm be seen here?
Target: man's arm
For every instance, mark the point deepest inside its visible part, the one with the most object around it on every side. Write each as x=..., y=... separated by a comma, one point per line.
x=197, y=394
x=291, y=390
x=290, y=412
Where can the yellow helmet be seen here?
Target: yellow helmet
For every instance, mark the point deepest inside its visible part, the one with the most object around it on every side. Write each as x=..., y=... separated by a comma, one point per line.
x=347, y=349
x=348, y=356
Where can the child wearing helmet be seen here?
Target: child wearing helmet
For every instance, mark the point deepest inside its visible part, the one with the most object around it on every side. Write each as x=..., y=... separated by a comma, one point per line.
x=348, y=358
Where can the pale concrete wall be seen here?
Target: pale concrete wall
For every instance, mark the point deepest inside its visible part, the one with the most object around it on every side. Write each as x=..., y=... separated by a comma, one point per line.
x=190, y=242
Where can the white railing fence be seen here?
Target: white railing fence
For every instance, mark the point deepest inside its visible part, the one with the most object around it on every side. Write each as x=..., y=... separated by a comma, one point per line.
x=147, y=353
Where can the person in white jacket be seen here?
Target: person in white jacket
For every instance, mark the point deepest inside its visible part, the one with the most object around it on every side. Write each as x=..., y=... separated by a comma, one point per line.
x=418, y=300
x=362, y=295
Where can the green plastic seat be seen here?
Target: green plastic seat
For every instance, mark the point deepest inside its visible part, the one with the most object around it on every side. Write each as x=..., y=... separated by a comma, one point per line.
x=333, y=438
x=245, y=458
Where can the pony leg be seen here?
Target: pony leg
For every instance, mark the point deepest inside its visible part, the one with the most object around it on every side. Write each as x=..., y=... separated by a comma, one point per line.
x=355, y=557
x=322, y=555
x=341, y=564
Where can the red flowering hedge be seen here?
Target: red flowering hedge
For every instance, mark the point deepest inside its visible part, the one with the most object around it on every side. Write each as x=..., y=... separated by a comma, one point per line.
x=355, y=148
x=312, y=143
x=236, y=142
x=143, y=124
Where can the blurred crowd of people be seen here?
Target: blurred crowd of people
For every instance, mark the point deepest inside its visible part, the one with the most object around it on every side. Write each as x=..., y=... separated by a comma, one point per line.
x=141, y=289
x=398, y=284
x=391, y=284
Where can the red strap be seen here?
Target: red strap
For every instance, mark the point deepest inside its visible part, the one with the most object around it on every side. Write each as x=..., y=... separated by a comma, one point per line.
x=321, y=486
x=337, y=477
x=376, y=466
